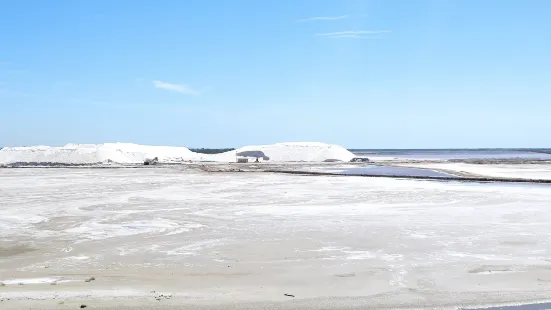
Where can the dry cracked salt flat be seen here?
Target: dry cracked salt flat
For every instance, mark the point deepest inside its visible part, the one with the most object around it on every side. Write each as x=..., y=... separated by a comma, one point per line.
x=167, y=237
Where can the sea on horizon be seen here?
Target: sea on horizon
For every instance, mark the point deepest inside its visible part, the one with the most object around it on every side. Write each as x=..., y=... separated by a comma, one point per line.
x=482, y=153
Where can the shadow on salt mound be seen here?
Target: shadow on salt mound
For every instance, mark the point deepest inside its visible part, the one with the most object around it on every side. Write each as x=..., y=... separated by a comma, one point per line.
x=301, y=152
x=255, y=154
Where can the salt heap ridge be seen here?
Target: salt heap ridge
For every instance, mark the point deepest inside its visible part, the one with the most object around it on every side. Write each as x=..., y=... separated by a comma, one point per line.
x=129, y=153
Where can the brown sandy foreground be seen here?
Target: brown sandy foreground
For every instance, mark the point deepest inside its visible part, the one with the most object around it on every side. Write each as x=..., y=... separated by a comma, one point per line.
x=171, y=238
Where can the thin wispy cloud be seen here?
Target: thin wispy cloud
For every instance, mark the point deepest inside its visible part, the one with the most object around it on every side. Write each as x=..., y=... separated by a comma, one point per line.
x=180, y=88
x=353, y=34
x=311, y=19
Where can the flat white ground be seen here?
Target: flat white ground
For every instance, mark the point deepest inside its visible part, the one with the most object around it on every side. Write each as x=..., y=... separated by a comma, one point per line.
x=219, y=238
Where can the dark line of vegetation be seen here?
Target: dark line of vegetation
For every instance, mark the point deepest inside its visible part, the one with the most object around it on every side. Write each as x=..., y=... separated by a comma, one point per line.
x=542, y=151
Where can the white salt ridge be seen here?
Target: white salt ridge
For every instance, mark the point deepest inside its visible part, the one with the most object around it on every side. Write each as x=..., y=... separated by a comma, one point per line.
x=34, y=281
x=129, y=153
x=96, y=231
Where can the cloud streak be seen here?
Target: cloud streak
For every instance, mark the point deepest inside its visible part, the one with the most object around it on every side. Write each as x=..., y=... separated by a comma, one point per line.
x=353, y=34
x=311, y=19
x=180, y=88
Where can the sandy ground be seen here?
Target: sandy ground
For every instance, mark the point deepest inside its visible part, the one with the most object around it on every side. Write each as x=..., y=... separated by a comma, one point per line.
x=168, y=238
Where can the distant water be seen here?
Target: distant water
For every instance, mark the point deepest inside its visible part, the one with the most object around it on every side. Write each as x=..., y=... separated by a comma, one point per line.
x=542, y=306
x=456, y=153
x=391, y=171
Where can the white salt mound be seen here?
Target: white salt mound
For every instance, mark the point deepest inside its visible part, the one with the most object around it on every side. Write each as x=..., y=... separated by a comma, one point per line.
x=123, y=153
x=128, y=153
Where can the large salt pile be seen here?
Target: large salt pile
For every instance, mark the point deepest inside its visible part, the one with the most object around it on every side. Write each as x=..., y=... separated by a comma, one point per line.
x=128, y=153
x=78, y=154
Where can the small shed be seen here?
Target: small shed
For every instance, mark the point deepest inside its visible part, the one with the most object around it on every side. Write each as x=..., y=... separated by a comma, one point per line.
x=151, y=161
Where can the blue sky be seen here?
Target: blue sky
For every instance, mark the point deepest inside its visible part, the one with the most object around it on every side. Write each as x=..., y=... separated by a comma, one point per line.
x=369, y=74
